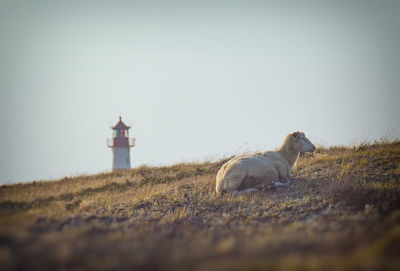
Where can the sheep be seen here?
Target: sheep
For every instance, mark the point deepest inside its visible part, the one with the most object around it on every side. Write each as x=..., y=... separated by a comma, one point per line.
x=248, y=173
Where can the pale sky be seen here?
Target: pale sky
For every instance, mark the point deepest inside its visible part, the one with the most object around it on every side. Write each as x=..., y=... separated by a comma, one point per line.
x=196, y=80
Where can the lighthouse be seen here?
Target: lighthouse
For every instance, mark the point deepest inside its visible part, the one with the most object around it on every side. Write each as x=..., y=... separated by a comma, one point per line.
x=120, y=145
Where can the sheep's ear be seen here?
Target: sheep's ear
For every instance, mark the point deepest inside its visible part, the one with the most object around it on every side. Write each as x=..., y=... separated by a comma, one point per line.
x=295, y=135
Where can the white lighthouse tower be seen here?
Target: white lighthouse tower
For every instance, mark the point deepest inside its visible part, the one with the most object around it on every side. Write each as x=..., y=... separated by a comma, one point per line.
x=120, y=145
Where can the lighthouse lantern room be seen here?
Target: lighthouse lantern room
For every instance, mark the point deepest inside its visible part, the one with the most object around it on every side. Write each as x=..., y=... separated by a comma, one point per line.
x=120, y=145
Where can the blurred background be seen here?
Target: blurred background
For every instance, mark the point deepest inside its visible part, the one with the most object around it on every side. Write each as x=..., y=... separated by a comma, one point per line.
x=196, y=80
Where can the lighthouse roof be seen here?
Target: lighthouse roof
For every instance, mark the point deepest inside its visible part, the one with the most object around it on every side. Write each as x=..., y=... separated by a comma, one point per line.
x=120, y=125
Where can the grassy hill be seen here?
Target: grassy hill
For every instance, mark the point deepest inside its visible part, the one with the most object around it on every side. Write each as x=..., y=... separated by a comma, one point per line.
x=343, y=213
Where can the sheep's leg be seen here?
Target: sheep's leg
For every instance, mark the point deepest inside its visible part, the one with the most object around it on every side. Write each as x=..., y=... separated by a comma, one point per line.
x=291, y=178
x=250, y=182
x=284, y=177
x=279, y=184
x=286, y=182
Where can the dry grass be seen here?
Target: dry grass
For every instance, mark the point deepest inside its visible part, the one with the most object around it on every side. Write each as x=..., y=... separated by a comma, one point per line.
x=342, y=214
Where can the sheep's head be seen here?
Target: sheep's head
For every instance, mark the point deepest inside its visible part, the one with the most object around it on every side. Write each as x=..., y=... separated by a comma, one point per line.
x=302, y=142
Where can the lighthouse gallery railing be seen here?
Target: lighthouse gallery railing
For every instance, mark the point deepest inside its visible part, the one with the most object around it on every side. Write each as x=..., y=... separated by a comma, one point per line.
x=110, y=142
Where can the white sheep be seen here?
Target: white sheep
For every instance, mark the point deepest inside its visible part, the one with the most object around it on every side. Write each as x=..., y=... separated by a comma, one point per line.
x=247, y=173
